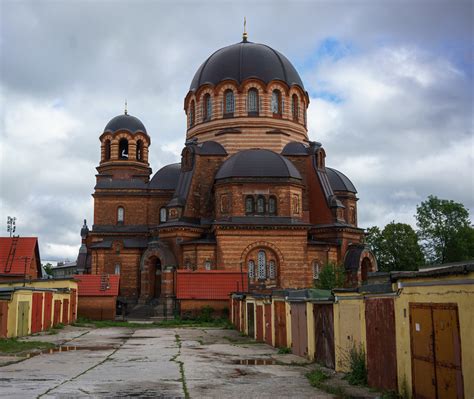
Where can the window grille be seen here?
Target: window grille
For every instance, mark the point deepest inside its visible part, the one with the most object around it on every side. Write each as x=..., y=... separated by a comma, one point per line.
x=229, y=102
x=163, y=215
x=120, y=214
x=276, y=102
x=262, y=265
x=272, y=205
x=271, y=269
x=261, y=205
x=251, y=269
x=207, y=107
x=252, y=103
x=249, y=205
x=207, y=265
x=316, y=270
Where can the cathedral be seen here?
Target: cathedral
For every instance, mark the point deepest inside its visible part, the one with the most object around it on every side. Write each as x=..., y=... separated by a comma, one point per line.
x=252, y=193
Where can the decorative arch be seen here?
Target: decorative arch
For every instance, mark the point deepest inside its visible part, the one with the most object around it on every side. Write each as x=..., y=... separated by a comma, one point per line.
x=263, y=245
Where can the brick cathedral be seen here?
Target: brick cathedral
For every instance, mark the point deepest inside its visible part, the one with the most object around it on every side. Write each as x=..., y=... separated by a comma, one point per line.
x=252, y=193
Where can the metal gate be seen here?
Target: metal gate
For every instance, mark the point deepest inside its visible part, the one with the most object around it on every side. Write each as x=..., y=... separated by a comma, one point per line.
x=48, y=309
x=23, y=318
x=3, y=319
x=435, y=351
x=280, y=324
x=57, y=312
x=37, y=313
x=73, y=306
x=324, y=335
x=268, y=324
x=65, y=311
x=250, y=320
x=299, y=329
x=259, y=323
x=381, y=344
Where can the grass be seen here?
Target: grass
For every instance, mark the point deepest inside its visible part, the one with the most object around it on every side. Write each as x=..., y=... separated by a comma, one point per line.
x=176, y=322
x=284, y=350
x=13, y=345
x=317, y=378
x=358, y=368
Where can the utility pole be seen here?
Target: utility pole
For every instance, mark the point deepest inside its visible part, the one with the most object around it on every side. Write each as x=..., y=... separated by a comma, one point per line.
x=11, y=225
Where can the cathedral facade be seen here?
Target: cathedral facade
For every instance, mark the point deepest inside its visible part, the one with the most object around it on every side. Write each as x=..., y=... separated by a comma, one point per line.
x=252, y=193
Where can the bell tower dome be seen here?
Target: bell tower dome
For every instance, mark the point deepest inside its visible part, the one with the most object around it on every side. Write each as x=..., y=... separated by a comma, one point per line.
x=124, y=149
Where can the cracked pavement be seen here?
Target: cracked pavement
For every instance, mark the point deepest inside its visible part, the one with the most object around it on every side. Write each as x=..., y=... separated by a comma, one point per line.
x=157, y=363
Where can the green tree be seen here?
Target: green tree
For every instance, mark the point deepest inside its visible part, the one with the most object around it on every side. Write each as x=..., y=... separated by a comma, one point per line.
x=441, y=224
x=396, y=247
x=461, y=246
x=48, y=269
x=331, y=276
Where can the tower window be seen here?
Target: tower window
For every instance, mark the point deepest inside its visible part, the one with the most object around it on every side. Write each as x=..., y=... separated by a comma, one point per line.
x=207, y=264
x=139, y=150
x=272, y=206
x=249, y=205
x=252, y=102
x=262, y=260
x=207, y=107
x=228, y=103
x=261, y=204
x=163, y=215
x=123, y=149
x=107, y=150
x=117, y=268
x=295, y=107
x=271, y=270
x=120, y=214
x=251, y=269
x=316, y=270
x=191, y=114
x=276, y=103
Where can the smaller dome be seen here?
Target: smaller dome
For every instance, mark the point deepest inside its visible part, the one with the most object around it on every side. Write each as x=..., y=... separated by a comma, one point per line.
x=210, y=148
x=125, y=122
x=166, y=178
x=257, y=163
x=294, y=148
x=339, y=181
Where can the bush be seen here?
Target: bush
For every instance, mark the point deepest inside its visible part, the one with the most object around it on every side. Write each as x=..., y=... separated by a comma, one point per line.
x=358, y=373
x=207, y=314
x=317, y=377
x=284, y=350
x=331, y=276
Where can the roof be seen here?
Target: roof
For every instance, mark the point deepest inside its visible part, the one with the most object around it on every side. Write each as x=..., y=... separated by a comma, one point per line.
x=246, y=60
x=13, y=253
x=339, y=181
x=210, y=148
x=209, y=284
x=97, y=284
x=295, y=148
x=125, y=122
x=166, y=178
x=257, y=163
x=442, y=270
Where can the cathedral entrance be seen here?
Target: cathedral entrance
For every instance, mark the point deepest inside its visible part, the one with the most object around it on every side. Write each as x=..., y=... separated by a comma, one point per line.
x=154, y=274
x=157, y=278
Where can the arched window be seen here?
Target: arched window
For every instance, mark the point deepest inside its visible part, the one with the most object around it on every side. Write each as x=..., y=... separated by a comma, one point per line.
x=262, y=265
x=276, y=103
x=272, y=208
x=252, y=102
x=316, y=270
x=120, y=214
x=191, y=114
x=249, y=205
x=163, y=214
x=117, y=268
x=107, y=150
x=295, y=108
x=123, y=149
x=207, y=107
x=304, y=115
x=228, y=103
x=139, y=150
x=187, y=264
x=207, y=264
x=251, y=269
x=271, y=270
x=261, y=204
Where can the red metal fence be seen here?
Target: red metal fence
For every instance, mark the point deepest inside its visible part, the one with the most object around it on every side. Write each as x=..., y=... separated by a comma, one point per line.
x=209, y=284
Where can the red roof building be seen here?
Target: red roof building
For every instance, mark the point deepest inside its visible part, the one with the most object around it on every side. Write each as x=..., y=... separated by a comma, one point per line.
x=19, y=258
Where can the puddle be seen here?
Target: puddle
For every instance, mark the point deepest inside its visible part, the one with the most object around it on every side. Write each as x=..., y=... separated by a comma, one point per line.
x=133, y=337
x=70, y=348
x=255, y=362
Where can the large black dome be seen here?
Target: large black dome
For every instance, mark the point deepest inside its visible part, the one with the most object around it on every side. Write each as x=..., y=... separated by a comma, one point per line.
x=257, y=163
x=125, y=122
x=245, y=60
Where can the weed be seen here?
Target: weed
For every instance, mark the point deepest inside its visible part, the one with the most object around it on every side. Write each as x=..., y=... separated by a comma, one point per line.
x=59, y=326
x=358, y=369
x=13, y=345
x=284, y=350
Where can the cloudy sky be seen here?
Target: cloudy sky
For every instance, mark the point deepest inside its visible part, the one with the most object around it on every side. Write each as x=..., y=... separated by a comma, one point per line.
x=390, y=82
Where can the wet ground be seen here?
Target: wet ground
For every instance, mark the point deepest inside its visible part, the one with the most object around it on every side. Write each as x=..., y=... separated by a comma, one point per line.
x=156, y=363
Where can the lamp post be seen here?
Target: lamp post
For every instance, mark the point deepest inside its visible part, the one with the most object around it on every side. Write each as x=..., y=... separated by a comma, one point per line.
x=11, y=225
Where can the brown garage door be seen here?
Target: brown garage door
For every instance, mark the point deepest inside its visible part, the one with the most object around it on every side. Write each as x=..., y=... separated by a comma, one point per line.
x=48, y=309
x=3, y=319
x=280, y=324
x=250, y=320
x=324, y=335
x=259, y=323
x=37, y=313
x=381, y=347
x=436, y=351
x=299, y=330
